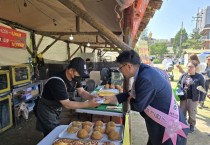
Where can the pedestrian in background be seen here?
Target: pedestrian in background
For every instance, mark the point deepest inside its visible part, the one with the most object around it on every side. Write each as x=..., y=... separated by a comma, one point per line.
x=189, y=82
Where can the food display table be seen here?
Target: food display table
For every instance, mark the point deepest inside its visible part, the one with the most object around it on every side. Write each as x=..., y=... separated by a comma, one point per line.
x=102, y=109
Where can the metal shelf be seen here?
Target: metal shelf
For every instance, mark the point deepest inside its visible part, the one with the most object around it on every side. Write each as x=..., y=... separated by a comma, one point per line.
x=26, y=86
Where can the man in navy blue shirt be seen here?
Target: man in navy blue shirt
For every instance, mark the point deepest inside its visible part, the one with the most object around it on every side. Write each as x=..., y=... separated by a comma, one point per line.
x=150, y=88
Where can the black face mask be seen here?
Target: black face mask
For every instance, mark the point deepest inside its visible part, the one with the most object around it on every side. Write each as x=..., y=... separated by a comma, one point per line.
x=77, y=78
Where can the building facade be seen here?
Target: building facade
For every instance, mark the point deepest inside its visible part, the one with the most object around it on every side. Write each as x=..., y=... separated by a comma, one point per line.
x=203, y=25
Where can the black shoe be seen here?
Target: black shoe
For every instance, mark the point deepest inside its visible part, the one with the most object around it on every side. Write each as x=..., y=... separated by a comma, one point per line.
x=191, y=129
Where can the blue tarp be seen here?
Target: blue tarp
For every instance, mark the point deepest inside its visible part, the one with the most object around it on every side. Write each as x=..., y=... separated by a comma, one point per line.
x=202, y=56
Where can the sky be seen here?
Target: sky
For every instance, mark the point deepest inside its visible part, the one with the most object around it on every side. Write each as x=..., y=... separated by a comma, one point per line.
x=167, y=21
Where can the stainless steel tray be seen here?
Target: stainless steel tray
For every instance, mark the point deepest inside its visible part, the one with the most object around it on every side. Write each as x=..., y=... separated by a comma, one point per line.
x=119, y=128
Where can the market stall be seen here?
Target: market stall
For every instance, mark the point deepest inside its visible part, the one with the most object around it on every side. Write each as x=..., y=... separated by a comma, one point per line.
x=80, y=26
x=97, y=132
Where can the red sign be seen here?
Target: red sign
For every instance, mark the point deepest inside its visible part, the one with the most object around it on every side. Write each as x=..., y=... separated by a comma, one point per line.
x=11, y=38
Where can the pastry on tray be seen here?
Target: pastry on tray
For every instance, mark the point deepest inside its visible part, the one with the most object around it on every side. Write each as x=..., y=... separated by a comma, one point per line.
x=109, y=129
x=87, y=128
x=82, y=134
x=98, y=123
x=99, y=128
x=113, y=136
x=87, y=123
x=72, y=129
x=111, y=124
x=96, y=135
x=76, y=123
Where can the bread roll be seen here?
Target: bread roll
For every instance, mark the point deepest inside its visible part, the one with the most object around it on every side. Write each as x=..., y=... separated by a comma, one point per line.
x=113, y=135
x=111, y=124
x=99, y=123
x=99, y=128
x=72, y=129
x=76, y=123
x=87, y=128
x=109, y=129
x=96, y=135
x=87, y=123
x=82, y=134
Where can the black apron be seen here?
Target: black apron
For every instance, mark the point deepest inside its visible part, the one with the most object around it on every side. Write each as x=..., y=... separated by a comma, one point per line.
x=48, y=115
x=48, y=112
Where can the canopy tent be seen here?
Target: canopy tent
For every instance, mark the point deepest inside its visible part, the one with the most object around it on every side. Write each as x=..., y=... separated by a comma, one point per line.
x=60, y=19
x=202, y=56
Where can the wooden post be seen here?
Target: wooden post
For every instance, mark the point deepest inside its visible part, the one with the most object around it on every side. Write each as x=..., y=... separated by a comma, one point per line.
x=75, y=51
x=128, y=24
x=34, y=55
x=84, y=48
x=40, y=40
x=68, y=50
x=29, y=51
x=112, y=45
x=77, y=24
x=48, y=46
x=101, y=28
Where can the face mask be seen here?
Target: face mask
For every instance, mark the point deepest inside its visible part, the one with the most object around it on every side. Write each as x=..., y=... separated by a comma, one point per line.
x=77, y=78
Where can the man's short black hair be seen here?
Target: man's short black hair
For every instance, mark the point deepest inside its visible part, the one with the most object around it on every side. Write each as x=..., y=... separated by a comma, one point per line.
x=129, y=56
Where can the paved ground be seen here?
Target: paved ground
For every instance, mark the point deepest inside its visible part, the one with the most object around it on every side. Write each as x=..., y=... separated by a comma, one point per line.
x=201, y=136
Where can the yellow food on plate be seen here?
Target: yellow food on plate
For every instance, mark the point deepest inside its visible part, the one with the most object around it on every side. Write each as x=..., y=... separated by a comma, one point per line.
x=105, y=93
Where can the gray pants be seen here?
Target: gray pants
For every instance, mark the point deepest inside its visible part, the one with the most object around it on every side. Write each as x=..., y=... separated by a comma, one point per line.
x=190, y=107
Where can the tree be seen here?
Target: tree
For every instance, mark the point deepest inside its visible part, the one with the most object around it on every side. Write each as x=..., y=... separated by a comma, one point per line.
x=194, y=42
x=158, y=49
x=181, y=37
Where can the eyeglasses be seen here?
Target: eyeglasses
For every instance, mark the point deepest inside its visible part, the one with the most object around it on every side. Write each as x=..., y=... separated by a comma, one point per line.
x=119, y=69
x=191, y=66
